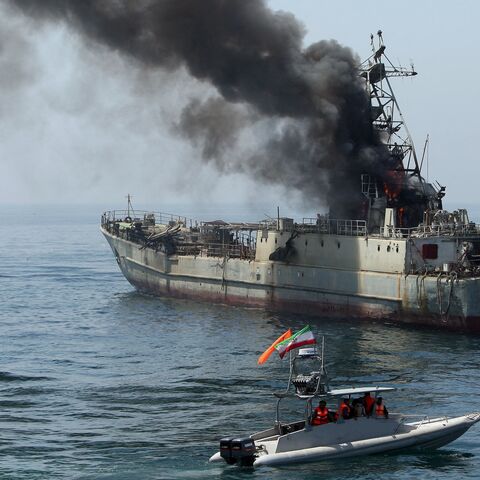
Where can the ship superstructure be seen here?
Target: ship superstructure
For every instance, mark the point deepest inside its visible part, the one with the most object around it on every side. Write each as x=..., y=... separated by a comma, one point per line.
x=404, y=258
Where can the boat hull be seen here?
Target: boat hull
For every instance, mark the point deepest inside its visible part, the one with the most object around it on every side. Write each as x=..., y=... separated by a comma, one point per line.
x=422, y=435
x=428, y=436
x=319, y=291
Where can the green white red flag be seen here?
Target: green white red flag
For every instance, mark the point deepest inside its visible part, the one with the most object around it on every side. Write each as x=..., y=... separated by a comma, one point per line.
x=299, y=339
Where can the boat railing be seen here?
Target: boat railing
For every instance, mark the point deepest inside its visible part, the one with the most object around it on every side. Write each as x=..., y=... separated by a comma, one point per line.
x=347, y=227
x=403, y=416
x=155, y=218
x=403, y=419
x=419, y=419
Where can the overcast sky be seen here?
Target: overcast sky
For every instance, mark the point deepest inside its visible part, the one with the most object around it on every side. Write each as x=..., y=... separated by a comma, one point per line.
x=80, y=124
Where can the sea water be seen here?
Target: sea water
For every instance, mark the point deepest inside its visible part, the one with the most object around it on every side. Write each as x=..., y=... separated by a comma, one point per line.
x=98, y=381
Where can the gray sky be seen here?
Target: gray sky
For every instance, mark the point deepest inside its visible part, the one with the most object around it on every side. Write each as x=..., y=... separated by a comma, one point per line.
x=81, y=125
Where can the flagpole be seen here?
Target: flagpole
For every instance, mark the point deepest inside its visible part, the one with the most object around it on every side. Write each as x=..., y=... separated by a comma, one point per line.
x=323, y=352
x=291, y=370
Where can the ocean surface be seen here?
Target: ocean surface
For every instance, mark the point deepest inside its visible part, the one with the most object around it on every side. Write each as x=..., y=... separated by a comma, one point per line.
x=98, y=381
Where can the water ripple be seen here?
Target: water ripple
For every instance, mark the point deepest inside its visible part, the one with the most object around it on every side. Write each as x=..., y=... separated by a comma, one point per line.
x=100, y=382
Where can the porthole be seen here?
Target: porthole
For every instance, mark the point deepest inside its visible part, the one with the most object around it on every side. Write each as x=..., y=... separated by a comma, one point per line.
x=388, y=248
x=321, y=243
x=378, y=247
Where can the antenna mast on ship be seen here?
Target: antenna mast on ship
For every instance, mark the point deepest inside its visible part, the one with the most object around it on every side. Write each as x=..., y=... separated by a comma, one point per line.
x=401, y=186
x=386, y=114
x=129, y=206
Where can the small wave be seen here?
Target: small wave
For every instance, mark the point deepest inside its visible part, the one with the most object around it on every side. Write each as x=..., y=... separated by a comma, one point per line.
x=17, y=404
x=11, y=377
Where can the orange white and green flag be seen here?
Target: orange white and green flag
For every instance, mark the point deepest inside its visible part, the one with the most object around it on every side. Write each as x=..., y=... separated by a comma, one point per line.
x=264, y=356
x=298, y=339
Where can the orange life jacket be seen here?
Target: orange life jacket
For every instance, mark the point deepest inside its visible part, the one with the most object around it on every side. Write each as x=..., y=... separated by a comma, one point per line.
x=368, y=404
x=380, y=410
x=341, y=411
x=320, y=416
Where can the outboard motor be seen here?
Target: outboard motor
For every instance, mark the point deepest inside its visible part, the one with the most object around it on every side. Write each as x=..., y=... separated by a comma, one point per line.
x=241, y=450
x=226, y=450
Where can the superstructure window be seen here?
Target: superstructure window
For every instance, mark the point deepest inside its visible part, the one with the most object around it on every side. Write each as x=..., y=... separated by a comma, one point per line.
x=430, y=251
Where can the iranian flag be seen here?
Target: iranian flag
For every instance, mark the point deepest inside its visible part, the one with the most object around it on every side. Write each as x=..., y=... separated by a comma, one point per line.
x=297, y=340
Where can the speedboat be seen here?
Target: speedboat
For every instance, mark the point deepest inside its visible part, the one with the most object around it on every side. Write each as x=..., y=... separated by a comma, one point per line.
x=303, y=441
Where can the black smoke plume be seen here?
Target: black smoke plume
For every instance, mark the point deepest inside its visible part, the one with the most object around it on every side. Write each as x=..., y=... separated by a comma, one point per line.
x=306, y=108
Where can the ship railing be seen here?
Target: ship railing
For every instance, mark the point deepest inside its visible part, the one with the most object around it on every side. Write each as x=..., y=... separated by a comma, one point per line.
x=467, y=230
x=129, y=234
x=268, y=224
x=217, y=250
x=454, y=230
x=232, y=226
x=355, y=228
x=155, y=218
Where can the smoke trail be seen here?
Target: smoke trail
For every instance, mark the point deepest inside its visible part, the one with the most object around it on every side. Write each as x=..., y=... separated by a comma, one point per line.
x=313, y=99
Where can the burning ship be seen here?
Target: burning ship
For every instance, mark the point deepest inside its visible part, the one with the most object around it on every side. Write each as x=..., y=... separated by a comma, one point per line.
x=399, y=256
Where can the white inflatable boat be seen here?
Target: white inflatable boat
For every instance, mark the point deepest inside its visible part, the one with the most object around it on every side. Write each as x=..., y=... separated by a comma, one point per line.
x=366, y=433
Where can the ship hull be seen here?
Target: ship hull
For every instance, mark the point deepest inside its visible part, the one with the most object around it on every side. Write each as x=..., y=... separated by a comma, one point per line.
x=280, y=287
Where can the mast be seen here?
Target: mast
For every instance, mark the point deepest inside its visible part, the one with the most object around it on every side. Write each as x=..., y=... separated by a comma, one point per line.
x=129, y=205
x=387, y=118
x=402, y=186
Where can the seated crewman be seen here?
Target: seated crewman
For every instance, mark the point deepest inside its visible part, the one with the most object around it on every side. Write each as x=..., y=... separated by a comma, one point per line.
x=357, y=408
x=343, y=412
x=380, y=408
x=320, y=414
x=368, y=403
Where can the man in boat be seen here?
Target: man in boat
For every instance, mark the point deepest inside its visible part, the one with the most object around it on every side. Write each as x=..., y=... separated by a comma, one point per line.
x=358, y=410
x=321, y=414
x=368, y=403
x=344, y=410
x=380, y=408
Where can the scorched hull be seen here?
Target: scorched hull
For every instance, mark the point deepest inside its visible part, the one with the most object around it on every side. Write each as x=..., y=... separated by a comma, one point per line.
x=280, y=287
